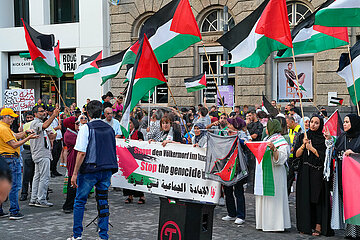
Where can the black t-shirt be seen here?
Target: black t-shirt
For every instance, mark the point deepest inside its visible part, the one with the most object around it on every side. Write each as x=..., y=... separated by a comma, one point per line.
x=255, y=128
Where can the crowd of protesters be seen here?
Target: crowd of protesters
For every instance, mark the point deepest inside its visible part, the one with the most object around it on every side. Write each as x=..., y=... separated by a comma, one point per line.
x=48, y=135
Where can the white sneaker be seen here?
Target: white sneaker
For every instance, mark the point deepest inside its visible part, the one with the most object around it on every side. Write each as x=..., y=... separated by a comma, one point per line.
x=239, y=221
x=44, y=205
x=228, y=218
x=72, y=238
x=221, y=201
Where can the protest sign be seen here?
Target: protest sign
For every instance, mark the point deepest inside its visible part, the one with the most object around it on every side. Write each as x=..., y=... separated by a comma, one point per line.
x=19, y=99
x=176, y=170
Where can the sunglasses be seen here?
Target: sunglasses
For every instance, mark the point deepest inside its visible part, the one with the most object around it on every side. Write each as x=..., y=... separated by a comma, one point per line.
x=41, y=111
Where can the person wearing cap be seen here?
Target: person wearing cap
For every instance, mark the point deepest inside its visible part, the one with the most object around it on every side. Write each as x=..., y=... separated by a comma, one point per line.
x=9, y=152
x=41, y=154
x=57, y=144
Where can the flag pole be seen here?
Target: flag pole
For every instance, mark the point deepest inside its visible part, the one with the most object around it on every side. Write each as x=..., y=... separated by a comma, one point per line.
x=352, y=71
x=177, y=108
x=149, y=110
x=212, y=72
x=298, y=90
x=53, y=82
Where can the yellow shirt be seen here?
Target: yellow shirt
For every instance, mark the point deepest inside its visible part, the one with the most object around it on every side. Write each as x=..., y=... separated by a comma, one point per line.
x=7, y=135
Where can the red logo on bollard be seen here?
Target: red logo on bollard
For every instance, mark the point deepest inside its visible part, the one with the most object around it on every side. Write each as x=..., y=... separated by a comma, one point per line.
x=170, y=231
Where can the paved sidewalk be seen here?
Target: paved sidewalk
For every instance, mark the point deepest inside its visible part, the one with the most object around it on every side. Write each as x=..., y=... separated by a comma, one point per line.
x=130, y=221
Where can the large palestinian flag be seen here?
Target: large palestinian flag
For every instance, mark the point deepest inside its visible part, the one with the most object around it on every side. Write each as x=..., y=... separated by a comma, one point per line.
x=340, y=13
x=351, y=188
x=195, y=83
x=310, y=38
x=345, y=72
x=265, y=30
x=44, y=54
x=88, y=66
x=146, y=75
x=264, y=176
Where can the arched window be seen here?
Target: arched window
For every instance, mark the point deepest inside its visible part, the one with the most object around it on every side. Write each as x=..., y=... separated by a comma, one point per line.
x=214, y=21
x=297, y=11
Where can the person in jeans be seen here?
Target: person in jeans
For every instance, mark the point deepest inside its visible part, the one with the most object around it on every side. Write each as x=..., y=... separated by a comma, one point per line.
x=235, y=211
x=10, y=152
x=41, y=154
x=28, y=164
x=95, y=163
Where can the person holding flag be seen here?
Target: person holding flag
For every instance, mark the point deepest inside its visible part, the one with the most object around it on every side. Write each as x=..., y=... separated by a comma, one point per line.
x=272, y=212
x=347, y=143
x=312, y=190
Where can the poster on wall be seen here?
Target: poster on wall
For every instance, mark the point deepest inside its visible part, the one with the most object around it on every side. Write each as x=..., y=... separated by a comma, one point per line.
x=287, y=84
x=176, y=170
x=227, y=95
x=19, y=99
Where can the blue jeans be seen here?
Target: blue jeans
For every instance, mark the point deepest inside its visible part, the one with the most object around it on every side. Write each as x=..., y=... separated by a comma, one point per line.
x=101, y=180
x=237, y=210
x=15, y=167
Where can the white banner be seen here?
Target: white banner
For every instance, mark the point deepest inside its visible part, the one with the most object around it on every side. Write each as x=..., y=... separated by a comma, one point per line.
x=19, y=99
x=176, y=170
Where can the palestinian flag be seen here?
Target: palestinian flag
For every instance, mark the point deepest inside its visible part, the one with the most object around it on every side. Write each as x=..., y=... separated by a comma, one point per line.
x=345, y=72
x=88, y=66
x=337, y=101
x=195, y=83
x=44, y=54
x=265, y=30
x=110, y=67
x=310, y=38
x=171, y=30
x=146, y=75
x=340, y=13
x=270, y=109
x=351, y=188
x=334, y=124
x=264, y=176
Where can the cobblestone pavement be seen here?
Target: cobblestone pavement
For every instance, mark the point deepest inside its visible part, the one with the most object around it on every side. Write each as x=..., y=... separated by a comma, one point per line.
x=131, y=221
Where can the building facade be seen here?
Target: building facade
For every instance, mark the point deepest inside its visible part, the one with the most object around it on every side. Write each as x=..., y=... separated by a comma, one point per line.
x=318, y=70
x=81, y=26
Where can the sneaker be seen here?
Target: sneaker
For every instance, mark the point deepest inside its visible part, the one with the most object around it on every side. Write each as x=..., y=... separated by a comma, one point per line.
x=221, y=201
x=3, y=214
x=32, y=203
x=67, y=211
x=23, y=197
x=16, y=216
x=239, y=221
x=72, y=238
x=44, y=205
x=228, y=218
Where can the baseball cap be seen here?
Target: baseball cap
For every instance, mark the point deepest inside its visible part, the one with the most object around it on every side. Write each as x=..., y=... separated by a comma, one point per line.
x=8, y=111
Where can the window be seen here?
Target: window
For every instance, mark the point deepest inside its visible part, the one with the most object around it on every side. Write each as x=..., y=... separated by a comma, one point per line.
x=64, y=11
x=160, y=94
x=214, y=21
x=297, y=11
x=210, y=92
x=21, y=10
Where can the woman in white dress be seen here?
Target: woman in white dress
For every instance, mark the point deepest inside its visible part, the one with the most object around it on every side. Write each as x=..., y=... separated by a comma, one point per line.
x=272, y=212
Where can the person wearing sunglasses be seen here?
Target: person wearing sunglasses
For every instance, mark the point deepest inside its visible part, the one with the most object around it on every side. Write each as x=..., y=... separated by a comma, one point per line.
x=9, y=152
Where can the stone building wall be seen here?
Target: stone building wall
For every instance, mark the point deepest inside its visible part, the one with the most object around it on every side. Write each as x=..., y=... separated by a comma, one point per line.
x=250, y=84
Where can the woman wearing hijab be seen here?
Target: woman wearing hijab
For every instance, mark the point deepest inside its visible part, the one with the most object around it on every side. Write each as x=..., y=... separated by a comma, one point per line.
x=199, y=139
x=305, y=123
x=72, y=127
x=134, y=135
x=272, y=212
x=312, y=190
x=347, y=143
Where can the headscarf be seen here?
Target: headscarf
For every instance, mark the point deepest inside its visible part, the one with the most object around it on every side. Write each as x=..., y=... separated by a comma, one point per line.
x=302, y=123
x=273, y=126
x=317, y=138
x=135, y=123
x=70, y=123
x=354, y=131
x=202, y=131
x=237, y=122
x=79, y=119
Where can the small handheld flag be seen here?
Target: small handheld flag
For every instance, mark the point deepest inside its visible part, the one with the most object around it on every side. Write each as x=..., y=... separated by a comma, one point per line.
x=195, y=83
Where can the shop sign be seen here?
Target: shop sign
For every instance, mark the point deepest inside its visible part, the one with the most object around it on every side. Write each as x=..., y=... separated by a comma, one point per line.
x=20, y=65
